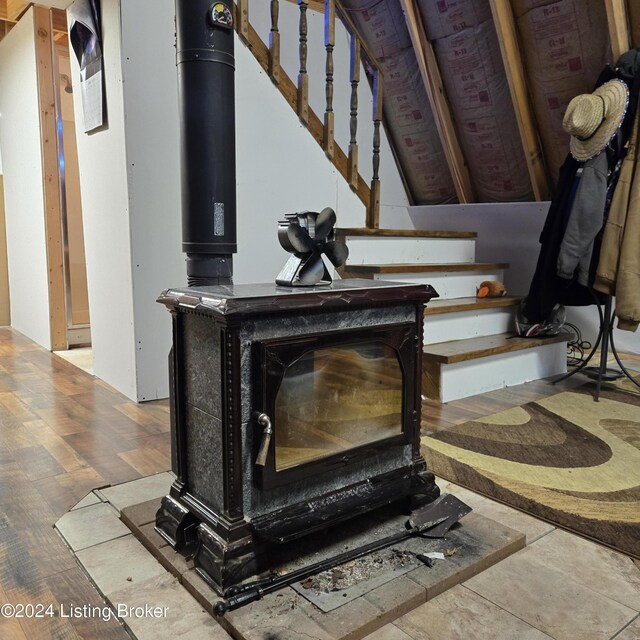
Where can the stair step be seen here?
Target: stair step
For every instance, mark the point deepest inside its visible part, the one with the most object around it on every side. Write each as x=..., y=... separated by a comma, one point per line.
x=463, y=368
x=474, y=348
x=362, y=269
x=405, y=233
x=453, y=305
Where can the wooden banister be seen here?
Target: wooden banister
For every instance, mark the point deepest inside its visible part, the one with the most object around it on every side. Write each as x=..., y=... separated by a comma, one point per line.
x=243, y=19
x=297, y=94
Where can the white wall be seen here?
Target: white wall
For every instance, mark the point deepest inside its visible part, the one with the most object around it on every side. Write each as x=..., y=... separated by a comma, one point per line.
x=130, y=179
x=153, y=174
x=509, y=232
x=23, y=181
x=105, y=204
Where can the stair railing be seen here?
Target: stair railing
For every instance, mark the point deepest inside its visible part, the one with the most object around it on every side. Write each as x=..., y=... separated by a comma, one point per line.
x=298, y=94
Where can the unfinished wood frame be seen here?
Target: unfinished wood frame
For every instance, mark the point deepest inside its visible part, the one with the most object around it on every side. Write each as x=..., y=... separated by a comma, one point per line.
x=432, y=80
x=505, y=25
x=43, y=27
x=15, y=8
x=619, y=32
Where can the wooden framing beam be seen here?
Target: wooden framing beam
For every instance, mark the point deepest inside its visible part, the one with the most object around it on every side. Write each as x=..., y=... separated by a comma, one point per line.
x=15, y=9
x=507, y=36
x=59, y=20
x=432, y=80
x=51, y=177
x=618, y=22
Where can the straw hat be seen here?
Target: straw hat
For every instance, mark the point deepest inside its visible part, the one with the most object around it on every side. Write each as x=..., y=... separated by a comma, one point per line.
x=592, y=119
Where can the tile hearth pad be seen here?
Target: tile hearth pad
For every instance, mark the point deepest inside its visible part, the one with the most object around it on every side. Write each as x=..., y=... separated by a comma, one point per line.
x=127, y=576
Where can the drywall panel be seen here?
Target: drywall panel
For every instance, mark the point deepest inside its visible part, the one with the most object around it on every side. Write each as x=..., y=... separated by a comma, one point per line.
x=105, y=201
x=5, y=309
x=153, y=171
x=507, y=232
x=23, y=181
x=280, y=168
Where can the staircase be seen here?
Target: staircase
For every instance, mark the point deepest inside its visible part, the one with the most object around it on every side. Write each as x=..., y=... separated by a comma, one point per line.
x=469, y=348
x=469, y=344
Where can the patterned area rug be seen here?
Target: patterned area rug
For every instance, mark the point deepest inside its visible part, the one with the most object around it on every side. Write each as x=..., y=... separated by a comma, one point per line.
x=566, y=459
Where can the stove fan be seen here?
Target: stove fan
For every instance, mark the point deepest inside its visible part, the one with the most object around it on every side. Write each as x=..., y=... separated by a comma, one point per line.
x=307, y=235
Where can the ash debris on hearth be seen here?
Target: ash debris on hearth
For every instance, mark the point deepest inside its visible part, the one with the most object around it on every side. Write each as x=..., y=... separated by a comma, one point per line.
x=352, y=573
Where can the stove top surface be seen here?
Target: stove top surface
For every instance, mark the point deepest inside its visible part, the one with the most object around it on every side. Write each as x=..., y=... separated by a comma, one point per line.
x=246, y=298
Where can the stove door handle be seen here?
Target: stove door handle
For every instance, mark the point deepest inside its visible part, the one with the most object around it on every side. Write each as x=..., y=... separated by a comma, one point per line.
x=264, y=421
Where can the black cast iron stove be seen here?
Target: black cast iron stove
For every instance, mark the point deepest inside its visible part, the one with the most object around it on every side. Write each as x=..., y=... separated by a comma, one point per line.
x=333, y=374
x=292, y=409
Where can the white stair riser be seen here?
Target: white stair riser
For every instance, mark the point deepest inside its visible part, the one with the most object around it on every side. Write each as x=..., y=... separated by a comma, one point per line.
x=388, y=250
x=457, y=284
x=464, y=379
x=443, y=327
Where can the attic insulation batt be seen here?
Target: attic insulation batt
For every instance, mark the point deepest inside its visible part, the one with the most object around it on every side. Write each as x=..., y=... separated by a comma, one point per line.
x=468, y=53
x=408, y=114
x=565, y=45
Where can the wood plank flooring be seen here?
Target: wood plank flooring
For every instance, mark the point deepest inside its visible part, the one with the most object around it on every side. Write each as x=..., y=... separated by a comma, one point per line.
x=64, y=433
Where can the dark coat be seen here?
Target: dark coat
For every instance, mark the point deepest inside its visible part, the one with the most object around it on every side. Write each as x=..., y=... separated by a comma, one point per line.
x=547, y=289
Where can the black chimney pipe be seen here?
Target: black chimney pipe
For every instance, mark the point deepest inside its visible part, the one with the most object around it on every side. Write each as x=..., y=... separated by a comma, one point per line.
x=206, y=67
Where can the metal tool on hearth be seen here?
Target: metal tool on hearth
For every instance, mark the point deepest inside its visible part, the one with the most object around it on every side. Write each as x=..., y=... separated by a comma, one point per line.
x=430, y=521
x=309, y=236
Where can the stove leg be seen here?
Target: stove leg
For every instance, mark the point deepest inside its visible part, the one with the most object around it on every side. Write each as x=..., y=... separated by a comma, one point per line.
x=224, y=564
x=176, y=524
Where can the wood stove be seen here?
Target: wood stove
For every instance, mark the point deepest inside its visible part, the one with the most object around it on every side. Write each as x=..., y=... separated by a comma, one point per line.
x=293, y=409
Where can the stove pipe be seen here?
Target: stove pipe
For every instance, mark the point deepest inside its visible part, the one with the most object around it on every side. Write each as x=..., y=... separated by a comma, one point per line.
x=206, y=67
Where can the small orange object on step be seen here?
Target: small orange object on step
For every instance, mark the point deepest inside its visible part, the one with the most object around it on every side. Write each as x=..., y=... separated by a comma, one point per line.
x=491, y=289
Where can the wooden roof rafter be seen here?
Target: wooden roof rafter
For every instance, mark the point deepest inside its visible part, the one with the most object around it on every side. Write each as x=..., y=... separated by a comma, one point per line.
x=505, y=25
x=430, y=73
x=619, y=31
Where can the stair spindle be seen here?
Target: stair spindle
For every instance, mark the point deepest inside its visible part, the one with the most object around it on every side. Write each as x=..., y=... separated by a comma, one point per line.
x=303, y=76
x=373, y=214
x=353, y=121
x=329, y=43
x=274, y=43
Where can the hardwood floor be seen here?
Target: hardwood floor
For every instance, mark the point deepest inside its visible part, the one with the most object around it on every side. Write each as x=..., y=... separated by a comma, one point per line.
x=64, y=433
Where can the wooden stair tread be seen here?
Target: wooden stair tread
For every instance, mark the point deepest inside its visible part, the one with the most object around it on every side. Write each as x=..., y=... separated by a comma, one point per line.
x=425, y=268
x=405, y=233
x=452, y=305
x=473, y=348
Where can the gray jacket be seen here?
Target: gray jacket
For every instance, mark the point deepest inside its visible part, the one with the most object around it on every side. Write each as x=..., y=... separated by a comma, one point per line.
x=585, y=220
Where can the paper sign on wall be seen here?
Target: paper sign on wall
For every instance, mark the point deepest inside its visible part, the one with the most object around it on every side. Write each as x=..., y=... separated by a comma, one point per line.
x=86, y=40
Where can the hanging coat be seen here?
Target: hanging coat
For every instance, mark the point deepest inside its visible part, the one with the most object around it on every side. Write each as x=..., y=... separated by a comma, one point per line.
x=618, y=270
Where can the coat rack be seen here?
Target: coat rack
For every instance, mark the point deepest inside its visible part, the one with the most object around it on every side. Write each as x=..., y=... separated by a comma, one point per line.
x=605, y=340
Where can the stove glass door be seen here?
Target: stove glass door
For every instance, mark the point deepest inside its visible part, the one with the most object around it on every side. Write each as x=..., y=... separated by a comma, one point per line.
x=333, y=399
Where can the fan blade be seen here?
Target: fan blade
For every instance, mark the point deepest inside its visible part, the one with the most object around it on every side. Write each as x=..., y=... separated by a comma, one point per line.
x=325, y=222
x=337, y=252
x=312, y=271
x=299, y=239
